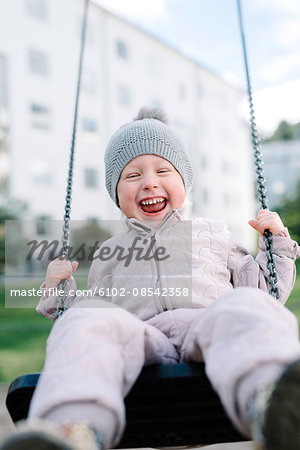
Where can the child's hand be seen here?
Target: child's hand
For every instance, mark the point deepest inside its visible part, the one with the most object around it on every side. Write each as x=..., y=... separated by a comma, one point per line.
x=59, y=269
x=267, y=220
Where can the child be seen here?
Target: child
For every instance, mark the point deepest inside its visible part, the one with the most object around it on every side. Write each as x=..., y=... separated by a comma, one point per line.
x=196, y=295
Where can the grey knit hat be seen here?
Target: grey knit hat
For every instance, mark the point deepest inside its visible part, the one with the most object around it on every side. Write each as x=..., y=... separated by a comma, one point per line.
x=147, y=134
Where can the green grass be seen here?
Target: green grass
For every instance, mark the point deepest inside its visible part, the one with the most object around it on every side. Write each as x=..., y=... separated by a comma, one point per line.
x=293, y=302
x=23, y=335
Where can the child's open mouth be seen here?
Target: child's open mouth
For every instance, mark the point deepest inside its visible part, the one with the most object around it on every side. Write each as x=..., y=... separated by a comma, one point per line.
x=153, y=205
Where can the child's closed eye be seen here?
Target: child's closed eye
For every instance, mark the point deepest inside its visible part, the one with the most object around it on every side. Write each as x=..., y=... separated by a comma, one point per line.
x=132, y=175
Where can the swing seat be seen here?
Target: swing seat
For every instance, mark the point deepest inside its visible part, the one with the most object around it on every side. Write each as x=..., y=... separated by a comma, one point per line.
x=169, y=405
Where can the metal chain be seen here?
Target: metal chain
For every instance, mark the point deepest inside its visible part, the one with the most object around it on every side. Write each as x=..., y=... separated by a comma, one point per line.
x=66, y=227
x=261, y=182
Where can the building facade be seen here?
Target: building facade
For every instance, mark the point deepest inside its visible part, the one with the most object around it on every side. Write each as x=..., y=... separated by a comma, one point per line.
x=282, y=169
x=124, y=68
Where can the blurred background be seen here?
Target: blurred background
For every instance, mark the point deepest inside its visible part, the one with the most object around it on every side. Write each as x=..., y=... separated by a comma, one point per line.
x=184, y=56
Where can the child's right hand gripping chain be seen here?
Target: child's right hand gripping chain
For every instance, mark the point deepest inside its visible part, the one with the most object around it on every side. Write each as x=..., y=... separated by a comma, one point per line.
x=267, y=220
x=59, y=269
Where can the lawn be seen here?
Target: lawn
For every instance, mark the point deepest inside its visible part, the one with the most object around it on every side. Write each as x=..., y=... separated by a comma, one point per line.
x=293, y=302
x=23, y=335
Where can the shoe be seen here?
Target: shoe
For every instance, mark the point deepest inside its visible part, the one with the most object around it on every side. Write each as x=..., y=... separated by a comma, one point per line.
x=41, y=435
x=275, y=413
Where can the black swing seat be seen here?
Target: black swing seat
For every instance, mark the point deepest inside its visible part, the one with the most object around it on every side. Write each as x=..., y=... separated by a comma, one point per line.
x=169, y=405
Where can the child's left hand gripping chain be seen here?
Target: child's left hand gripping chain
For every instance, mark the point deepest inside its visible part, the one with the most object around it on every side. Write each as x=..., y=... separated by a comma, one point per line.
x=267, y=220
x=59, y=269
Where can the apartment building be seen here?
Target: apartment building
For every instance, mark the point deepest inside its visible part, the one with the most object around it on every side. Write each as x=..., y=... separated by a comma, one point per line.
x=124, y=69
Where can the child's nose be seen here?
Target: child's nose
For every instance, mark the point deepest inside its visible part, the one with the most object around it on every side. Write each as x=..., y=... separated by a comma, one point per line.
x=150, y=182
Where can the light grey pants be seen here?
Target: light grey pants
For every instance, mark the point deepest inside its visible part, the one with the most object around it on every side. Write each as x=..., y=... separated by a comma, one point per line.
x=94, y=355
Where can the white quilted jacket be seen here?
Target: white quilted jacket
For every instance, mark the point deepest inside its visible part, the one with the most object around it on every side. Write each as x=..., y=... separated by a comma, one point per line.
x=196, y=262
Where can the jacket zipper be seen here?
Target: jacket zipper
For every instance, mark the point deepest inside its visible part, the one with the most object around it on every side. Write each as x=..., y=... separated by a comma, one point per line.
x=158, y=280
x=160, y=299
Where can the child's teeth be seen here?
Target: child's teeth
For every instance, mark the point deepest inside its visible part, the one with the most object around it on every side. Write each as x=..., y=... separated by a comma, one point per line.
x=152, y=202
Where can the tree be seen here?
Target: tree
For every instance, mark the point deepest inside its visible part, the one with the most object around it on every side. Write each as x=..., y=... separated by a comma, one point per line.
x=285, y=132
x=289, y=211
x=5, y=214
x=85, y=238
x=10, y=210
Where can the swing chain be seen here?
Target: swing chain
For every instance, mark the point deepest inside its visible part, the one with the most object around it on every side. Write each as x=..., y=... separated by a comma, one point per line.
x=272, y=277
x=62, y=295
x=262, y=190
x=261, y=182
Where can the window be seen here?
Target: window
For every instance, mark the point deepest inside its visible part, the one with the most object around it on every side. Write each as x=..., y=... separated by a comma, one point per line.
x=90, y=133
x=3, y=83
x=43, y=226
x=40, y=116
x=124, y=95
x=91, y=178
x=122, y=49
x=37, y=8
x=4, y=169
x=40, y=171
x=89, y=125
x=182, y=92
x=93, y=220
x=39, y=109
x=226, y=199
x=38, y=63
x=205, y=196
x=203, y=161
x=183, y=131
x=155, y=66
x=89, y=81
x=199, y=90
x=156, y=104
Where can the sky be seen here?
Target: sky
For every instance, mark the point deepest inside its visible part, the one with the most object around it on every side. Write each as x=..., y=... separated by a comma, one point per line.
x=207, y=31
